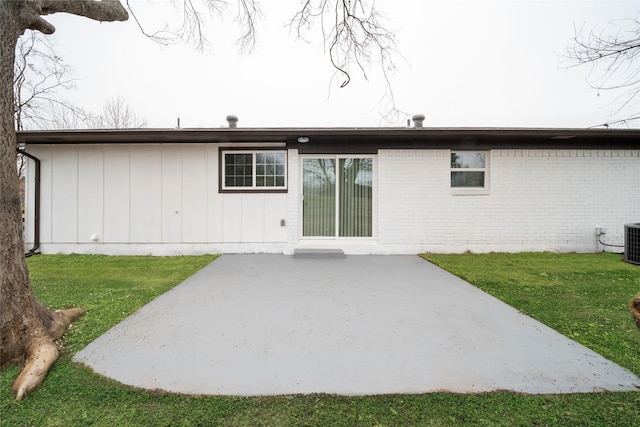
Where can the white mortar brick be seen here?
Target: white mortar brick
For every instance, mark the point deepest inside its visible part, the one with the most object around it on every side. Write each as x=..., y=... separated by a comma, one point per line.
x=538, y=200
x=293, y=196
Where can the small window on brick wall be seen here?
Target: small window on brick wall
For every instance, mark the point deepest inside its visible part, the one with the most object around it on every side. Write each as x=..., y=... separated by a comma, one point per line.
x=469, y=170
x=254, y=170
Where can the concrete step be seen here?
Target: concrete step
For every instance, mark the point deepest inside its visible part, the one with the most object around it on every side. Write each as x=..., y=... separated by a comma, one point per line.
x=318, y=253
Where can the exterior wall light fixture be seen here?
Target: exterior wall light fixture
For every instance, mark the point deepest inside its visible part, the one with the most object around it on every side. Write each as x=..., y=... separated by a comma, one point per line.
x=303, y=139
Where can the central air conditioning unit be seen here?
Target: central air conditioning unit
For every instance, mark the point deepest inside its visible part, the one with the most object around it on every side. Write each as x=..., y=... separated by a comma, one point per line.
x=632, y=243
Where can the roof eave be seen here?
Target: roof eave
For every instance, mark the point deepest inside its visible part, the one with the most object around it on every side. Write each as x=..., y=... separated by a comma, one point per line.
x=437, y=137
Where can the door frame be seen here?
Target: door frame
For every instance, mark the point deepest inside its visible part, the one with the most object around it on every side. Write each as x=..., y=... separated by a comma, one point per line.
x=374, y=195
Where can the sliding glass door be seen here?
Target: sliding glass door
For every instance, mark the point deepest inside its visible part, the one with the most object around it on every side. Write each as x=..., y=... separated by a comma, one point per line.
x=337, y=197
x=319, y=197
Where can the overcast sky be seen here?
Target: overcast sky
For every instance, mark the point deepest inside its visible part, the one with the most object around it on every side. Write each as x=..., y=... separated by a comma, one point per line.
x=464, y=64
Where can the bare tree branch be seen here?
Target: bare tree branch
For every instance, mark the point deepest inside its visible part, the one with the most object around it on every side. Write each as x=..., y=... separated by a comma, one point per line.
x=622, y=122
x=104, y=10
x=248, y=13
x=42, y=25
x=62, y=115
x=354, y=35
x=195, y=15
x=614, y=60
x=163, y=36
x=39, y=76
x=355, y=38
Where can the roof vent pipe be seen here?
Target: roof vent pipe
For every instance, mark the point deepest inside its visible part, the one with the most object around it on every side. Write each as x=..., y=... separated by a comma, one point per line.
x=417, y=120
x=233, y=121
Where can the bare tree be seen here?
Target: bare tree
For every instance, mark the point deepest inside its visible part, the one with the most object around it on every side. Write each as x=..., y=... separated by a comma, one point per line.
x=28, y=330
x=39, y=77
x=615, y=63
x=61, y=116
x=116, y=114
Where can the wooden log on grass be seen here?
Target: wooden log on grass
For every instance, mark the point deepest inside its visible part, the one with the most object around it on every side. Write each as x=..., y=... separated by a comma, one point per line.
x=635, y=309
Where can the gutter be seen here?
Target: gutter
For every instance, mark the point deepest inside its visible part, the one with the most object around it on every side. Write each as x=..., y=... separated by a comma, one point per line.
x=36, y=205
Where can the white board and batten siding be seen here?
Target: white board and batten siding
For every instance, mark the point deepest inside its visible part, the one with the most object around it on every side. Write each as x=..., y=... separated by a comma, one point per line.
x=159, y=199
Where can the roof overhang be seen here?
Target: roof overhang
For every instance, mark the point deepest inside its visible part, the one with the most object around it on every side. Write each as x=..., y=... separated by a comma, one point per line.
x=353, y=139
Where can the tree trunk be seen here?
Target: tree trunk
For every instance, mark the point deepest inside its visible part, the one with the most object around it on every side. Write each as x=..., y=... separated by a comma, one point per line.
x=27, y=329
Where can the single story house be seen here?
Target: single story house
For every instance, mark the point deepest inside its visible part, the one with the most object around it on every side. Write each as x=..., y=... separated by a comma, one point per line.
x=359, y=190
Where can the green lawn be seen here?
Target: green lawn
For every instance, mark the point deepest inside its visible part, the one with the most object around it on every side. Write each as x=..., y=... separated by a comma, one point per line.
x=583, y=296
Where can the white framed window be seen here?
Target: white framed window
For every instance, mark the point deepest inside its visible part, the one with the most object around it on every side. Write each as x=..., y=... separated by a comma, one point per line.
x=254, y=170
x=470, y=172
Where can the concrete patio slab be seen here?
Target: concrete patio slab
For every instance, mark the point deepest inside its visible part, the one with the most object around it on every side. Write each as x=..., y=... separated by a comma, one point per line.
x=358, y=325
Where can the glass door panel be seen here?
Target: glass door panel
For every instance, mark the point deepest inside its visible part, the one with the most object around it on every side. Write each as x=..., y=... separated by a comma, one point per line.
x=319, y=197
x=356, y=197
x=341, y=207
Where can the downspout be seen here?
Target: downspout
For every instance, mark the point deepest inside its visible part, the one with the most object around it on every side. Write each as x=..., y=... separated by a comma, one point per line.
x=36, y=205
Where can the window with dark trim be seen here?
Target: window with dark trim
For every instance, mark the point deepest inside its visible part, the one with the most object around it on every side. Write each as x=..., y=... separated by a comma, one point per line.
x=254, y=170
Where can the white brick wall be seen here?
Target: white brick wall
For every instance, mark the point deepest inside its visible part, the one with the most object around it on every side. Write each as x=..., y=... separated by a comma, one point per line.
x=538, y=200
x=294, y=197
